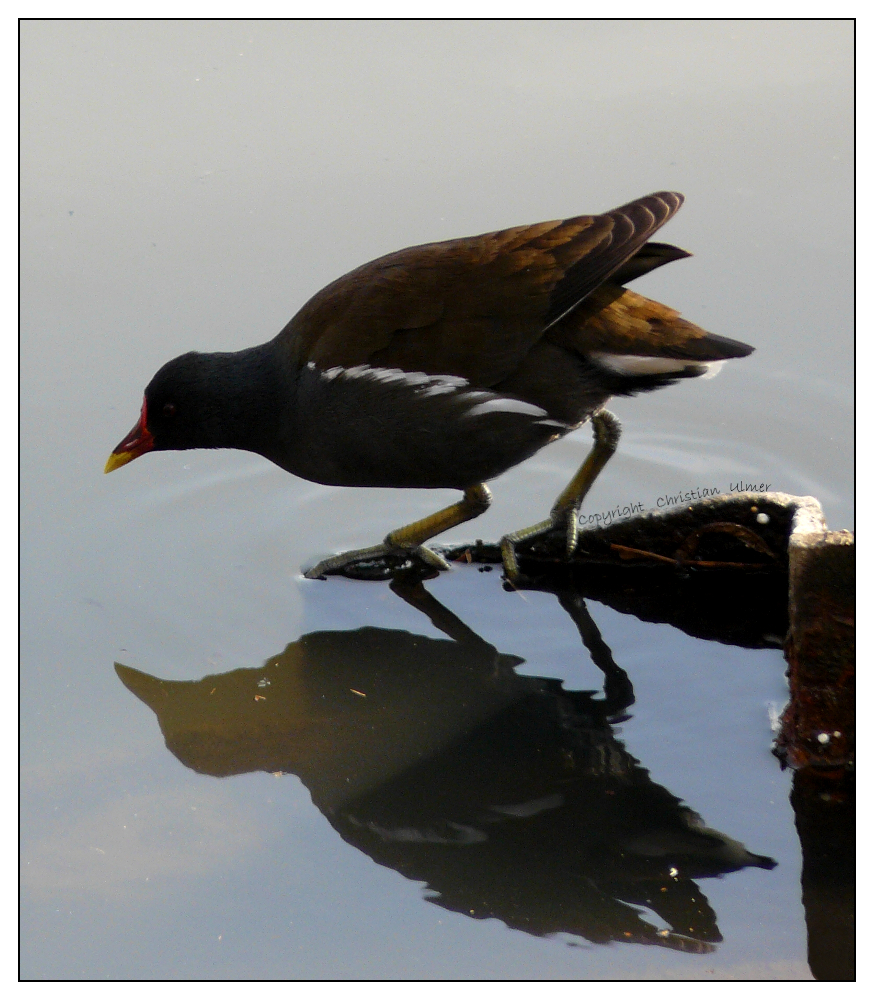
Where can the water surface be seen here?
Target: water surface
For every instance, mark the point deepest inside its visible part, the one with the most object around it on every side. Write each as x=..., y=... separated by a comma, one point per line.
x=188, y=185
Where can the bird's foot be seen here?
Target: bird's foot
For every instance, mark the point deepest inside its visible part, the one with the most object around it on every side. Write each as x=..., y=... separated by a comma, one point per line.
x=378, y=562
x=606, y=429
x=566, y=519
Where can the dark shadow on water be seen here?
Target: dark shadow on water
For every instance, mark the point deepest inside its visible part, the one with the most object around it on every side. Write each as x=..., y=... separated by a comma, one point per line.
x=509, y=796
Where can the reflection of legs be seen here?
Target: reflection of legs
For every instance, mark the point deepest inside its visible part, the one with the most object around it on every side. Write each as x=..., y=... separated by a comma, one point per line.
x=606, y=429
x=618, y=691
x=410, y=587
x=411, y=538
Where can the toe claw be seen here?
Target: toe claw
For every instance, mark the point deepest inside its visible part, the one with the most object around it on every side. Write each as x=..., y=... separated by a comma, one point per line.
x=430, y=557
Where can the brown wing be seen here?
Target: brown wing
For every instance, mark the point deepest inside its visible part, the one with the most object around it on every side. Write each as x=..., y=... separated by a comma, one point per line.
x=471, y=307
x=648, y=258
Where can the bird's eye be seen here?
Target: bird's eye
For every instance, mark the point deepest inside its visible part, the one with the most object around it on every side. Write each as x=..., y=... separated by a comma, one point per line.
x=169, y=409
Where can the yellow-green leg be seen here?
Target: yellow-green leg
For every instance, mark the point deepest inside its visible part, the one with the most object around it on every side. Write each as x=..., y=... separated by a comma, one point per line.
x=606, y=430
x=410, y=539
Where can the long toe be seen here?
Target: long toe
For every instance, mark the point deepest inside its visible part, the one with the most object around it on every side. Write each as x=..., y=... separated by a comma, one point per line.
x=571, y=532
x=379, y=562
x=338, y=564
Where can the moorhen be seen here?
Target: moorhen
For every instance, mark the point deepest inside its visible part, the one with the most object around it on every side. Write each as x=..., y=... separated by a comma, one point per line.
x=444, y=365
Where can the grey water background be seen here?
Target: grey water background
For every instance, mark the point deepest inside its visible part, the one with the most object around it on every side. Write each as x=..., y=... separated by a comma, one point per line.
x=188, y=185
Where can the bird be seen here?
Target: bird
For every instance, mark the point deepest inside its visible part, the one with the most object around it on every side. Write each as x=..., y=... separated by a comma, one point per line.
x=444, y=365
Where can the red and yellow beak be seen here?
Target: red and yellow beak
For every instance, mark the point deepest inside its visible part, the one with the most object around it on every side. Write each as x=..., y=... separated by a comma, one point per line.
x=137, y=443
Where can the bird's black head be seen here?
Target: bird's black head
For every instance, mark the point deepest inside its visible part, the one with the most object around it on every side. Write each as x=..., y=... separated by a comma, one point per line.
x=202, y=401
x=183, y=404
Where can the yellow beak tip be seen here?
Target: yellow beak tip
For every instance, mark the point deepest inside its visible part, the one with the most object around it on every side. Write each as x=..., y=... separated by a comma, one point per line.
x=117, y=459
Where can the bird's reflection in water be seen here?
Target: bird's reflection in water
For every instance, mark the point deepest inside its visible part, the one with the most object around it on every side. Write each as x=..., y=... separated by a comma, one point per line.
x=508, y=795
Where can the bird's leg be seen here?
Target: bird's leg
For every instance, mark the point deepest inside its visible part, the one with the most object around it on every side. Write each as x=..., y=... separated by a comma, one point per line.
x=410, y=539
x=475, y=501
x=606, y=430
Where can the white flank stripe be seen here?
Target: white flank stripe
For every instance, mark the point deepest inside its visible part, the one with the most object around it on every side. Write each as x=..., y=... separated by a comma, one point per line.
x=435, y=384
x=502, y=404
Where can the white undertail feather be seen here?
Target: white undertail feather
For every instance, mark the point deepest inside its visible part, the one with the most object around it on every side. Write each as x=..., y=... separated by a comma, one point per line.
x=637, y=364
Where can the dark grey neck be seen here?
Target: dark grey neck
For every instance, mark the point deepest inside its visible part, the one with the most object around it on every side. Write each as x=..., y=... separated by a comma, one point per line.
x=242, y=397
